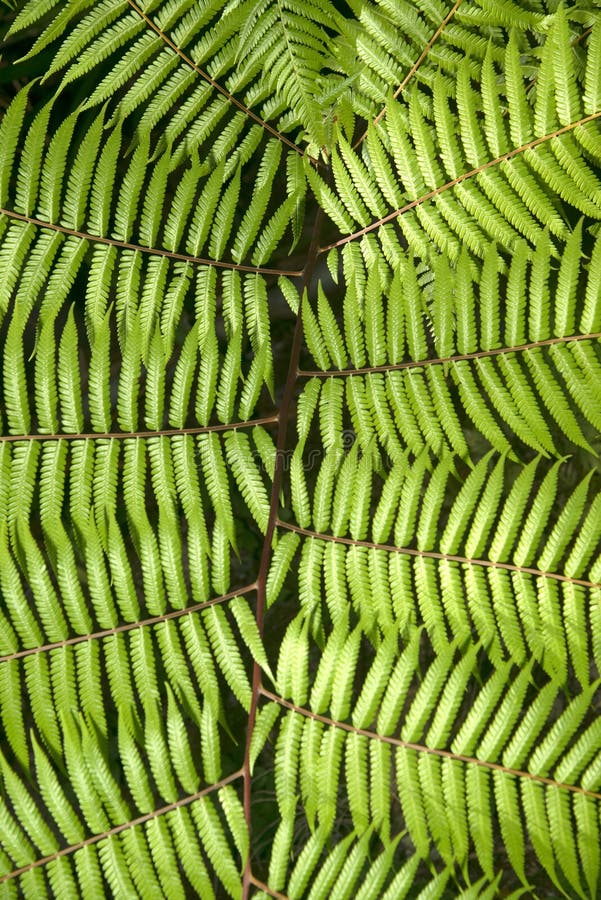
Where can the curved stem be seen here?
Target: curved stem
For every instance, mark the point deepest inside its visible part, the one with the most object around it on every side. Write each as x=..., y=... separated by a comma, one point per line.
x=141, y=435
x=460, y=178
x=128, y=626
x=230, y=97
x=415, y=66
x=435, y=554
x=441, y=360
x=153, y=251
x=431, y=751
x=272, y=522
x=117, y=829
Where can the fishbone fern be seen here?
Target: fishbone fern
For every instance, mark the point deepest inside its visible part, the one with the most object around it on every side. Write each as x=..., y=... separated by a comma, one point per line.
x=300, y=413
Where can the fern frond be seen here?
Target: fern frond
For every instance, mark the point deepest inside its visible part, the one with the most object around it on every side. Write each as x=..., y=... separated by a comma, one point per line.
x=444, y=563
x=505, y=375
x=471, y=775
x=419, y=182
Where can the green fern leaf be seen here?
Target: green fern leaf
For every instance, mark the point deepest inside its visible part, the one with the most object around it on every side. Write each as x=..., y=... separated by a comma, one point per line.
x=299, y=317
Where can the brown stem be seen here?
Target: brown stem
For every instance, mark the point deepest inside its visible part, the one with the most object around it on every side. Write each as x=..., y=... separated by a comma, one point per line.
x=415, y=66
x=66, y=851
x=441, y=360
x=142, y=435
x=434, y=554
x=233, y=100
x=129, y=626
x=153, y=251
x=421, y=748
x=266, y=889
x=460, y=178
x=285, y=408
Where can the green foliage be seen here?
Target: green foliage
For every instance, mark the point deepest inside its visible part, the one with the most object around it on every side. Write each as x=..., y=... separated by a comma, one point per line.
x=300, y=415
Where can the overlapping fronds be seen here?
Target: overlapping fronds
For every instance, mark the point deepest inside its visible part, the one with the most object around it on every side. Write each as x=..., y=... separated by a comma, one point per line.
x=300, y=417
x=128, y=209
x=474, y=158
x=394, y=43
x=388, y=44
x=199, y=72
x=159, y=852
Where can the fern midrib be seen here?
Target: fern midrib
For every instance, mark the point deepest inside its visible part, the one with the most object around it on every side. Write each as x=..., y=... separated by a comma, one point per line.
x=131, y=626
x=435, y=554
x=153, y=251
x=441, y=360
x=414, y=67
x=144, y=435
x=431, y=751
x=264, y=887
x=124, y=826
x=511, y=154
x=272, y=522
x=230, y=97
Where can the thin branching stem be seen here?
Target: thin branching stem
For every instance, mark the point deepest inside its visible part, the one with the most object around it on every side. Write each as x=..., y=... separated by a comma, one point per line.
x=531, y=145
x=140, y=435
x=434, y=554
x=285, y=412
x=230, y=97
x=153, y=251
x=415, y=65
x=117, y=829
x=129, y=626
x=441, y=360
x=267, y=890
x=432, y=751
